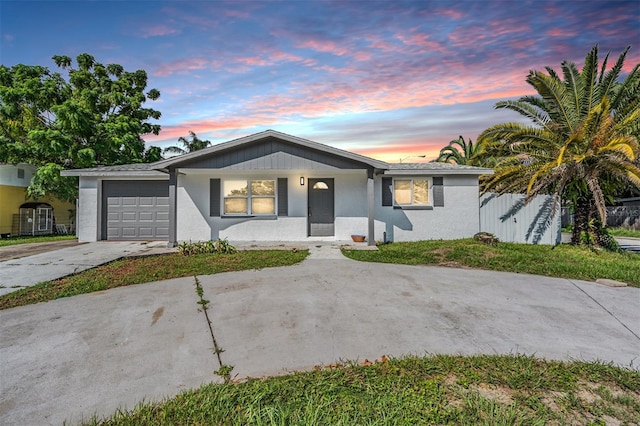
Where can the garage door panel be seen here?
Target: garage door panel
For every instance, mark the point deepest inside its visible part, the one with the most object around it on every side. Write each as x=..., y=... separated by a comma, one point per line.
x=114, y=232
x=131, y=232
x=146, y=232
x=136, y=210
x=162, y=233
x=129, y=216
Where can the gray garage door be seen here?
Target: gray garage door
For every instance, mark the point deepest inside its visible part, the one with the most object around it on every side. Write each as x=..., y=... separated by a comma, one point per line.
x=135, y=210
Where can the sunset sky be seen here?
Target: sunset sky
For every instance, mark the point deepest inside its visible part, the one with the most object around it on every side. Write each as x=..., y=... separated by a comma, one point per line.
x=389, y=79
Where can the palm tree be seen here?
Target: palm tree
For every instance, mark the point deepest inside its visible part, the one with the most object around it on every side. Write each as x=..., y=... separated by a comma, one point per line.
x=460, y=152
x=582, y=145
x=195, y=144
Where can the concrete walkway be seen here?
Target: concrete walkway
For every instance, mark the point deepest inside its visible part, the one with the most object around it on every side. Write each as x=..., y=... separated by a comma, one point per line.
x=91, y=354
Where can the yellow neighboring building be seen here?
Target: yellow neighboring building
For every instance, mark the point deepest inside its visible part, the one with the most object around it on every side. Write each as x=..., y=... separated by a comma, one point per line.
x=21, y=215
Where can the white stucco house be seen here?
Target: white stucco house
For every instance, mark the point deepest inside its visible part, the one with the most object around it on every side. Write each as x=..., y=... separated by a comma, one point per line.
x=271, y=186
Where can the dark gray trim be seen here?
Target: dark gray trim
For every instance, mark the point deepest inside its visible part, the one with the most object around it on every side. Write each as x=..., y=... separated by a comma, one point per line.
x=173, y=207
x=387, y=191
x=283, y=197
x=371, y=239
x=214, y=197
x=438, y=191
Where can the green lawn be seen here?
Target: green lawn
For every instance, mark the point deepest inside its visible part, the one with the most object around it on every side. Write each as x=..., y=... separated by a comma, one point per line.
x=564, y=261
x=622, y=232
x=40, y=239
x=138, y=270
x=443, y=389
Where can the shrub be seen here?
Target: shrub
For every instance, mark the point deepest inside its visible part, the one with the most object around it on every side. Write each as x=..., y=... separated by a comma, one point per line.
x=200, y=247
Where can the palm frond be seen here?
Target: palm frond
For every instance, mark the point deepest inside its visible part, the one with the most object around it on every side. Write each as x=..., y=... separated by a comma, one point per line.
x=612, y=75
x=534, y=113
x=574, y=84
x=556, y=98
x=589, y=75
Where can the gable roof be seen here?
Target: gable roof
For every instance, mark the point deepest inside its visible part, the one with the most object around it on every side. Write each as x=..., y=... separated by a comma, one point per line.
x=160, y=168
x=230, y=145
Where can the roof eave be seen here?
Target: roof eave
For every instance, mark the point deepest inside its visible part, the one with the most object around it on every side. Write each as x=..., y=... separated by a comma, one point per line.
x=430, y=172
x=115, y=173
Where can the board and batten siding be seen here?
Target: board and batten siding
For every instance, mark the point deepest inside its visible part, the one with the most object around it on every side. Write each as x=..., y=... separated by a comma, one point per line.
x=510, y=220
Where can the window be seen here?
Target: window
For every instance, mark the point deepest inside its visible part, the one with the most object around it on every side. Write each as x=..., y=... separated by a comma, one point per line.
x=411, y=192
x=249, y=197
x=20, y=173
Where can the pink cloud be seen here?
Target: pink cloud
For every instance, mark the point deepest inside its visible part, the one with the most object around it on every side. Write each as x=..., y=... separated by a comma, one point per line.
x=560, y=32
x=181, y=66
x=421, y=40
x=237, y=14
x=385, y=93
x=451, y=13
x=201, y=127
x=253, y=61
x=362, y=56
x=324, y=46
x=158, y=30
x=523, y=44
x=377, y=43
x=509, y=26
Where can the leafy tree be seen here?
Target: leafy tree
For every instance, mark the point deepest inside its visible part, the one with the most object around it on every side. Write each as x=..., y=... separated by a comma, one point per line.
x=190, y=145
x=460, y=152
x=94, y=116
x=583, y=144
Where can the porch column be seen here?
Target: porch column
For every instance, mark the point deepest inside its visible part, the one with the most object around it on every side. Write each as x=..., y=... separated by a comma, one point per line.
x=173, y=180
x=371, y=240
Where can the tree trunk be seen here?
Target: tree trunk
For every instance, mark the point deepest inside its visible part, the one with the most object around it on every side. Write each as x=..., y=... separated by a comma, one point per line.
x=586, y=222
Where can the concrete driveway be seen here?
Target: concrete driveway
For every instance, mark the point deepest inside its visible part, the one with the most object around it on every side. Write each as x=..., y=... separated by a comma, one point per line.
x=91, y=354
x=48, y=263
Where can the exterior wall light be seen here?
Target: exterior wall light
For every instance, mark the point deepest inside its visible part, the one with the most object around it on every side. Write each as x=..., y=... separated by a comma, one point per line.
x=301, y=180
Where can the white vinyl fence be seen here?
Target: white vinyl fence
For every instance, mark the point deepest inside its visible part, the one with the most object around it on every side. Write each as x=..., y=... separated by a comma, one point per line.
x=509, y=219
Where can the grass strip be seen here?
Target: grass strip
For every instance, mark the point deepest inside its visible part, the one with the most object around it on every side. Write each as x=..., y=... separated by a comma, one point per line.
x=622, y=232
x=564, y=261
x=12, y=241
x=441, y=389
x=137, y=270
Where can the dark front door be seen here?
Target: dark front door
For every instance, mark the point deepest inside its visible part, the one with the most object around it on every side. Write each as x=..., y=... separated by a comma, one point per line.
x=321, y=212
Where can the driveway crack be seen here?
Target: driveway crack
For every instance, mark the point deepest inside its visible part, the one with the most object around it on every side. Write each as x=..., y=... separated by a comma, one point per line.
x=224, y=370
x=605, y=309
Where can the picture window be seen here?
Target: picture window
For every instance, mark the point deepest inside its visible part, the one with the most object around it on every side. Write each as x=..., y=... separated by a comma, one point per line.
x=249, y=197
